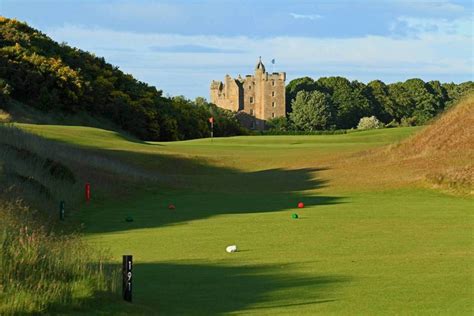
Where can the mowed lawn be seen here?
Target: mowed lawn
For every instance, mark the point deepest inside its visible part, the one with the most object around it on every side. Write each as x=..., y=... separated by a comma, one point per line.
x=352, y=251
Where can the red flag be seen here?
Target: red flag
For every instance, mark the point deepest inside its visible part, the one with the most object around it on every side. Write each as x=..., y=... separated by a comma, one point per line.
x=211, y=120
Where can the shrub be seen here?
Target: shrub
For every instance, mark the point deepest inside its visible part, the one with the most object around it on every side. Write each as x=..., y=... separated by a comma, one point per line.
x=392, y=123
x=369, y=123
x=408, y=121
x=278, y=124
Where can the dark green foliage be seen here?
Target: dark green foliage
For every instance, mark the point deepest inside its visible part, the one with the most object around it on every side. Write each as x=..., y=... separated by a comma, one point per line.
x=54, y=77
x=311, y=111
x=225, y=122
x=278, y=124
x=455, y=92
x=349, y=100
x=413, y=102
x=5, y=91
x=294, y=86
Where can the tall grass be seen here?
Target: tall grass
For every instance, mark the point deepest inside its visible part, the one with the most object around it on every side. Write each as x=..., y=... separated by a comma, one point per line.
x=45, y=266
x=440, y=156
x=43, y=171
x=41, y=270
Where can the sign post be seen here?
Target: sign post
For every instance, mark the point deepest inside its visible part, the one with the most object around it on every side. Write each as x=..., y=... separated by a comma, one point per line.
x=127, y=278
x=61, y=210
x=88, y=191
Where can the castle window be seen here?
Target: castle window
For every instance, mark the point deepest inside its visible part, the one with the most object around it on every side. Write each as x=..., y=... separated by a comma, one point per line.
x=251, y=111
x=273, y=104
x=273, y=115
x=250, y=87
x=251, y=99
x=273, y=93
x=273, y=82
x=252, y=126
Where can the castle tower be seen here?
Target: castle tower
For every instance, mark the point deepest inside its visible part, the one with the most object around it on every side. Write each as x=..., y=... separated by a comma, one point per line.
x=257, y=98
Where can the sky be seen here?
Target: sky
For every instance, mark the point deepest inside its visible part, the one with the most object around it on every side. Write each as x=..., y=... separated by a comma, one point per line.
x=181, y=46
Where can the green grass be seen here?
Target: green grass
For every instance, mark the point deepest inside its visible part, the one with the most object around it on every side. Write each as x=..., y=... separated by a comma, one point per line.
x=388, y=251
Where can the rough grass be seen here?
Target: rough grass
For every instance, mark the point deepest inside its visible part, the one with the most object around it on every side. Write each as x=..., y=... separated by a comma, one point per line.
x=370, y=240
x=41, y=271
x=44, y=264
x=446, y=147
x=440, y=156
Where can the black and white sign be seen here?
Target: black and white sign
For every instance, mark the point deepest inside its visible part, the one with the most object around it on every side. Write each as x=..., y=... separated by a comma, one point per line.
x=127, y=277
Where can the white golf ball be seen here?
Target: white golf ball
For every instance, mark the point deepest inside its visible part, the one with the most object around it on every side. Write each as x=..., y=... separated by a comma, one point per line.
x=232, y=248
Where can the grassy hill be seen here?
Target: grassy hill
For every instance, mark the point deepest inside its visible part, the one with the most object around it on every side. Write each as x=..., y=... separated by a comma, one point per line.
x=42, y=80
x=439, y=156
x=373, y=237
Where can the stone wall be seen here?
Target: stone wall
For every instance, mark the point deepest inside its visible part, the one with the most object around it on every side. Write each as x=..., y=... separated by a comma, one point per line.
x=261, y=96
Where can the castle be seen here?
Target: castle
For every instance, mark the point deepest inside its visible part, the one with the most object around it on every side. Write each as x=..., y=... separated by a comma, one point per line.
x=256, y=98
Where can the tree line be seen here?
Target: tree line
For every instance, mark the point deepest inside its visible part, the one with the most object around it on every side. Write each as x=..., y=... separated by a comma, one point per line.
x=53, y=77
x=50, y=77
x=337, y=103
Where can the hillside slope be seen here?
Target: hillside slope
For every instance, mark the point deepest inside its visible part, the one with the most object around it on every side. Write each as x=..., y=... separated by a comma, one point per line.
x=452, y=133
x=445, y=148
x=56, y=78
x=441, y=155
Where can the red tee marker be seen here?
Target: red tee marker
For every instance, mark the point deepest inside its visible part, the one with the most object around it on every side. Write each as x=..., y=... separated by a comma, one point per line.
x=171, y=207
x=300, y=205
x=88, y=191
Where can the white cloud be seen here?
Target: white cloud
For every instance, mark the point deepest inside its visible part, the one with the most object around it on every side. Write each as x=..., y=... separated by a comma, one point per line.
x=429, y=55
x=431, y=6
x=306, y=16
x=416, y=25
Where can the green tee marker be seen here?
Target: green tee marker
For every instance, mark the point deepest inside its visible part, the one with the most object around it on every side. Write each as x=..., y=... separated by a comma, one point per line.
x=129, y=219
x=294, y=216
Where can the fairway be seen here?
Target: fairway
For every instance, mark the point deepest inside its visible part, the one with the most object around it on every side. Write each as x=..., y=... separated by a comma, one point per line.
x=389, y=249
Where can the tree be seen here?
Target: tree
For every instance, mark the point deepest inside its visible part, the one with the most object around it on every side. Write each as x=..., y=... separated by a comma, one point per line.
x=295, y=86
x=456, y=91
x=5, y=91
x=349, y=100
x=311, y=111
x=426, y=104
x=380, y=99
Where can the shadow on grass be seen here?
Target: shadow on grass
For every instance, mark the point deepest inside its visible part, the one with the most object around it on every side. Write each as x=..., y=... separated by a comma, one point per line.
x=150, y=209
x=141, y=184
x=200, y=190
x=199, y=289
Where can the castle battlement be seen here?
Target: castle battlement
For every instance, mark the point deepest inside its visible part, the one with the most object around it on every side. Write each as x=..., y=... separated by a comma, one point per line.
x=257, y=97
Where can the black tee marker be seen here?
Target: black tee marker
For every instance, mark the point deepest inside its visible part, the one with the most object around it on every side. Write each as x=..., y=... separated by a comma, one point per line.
x=127, y=277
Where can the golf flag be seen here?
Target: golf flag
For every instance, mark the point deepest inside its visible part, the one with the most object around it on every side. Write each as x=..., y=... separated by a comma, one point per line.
x=273, y=61
x=211, y=120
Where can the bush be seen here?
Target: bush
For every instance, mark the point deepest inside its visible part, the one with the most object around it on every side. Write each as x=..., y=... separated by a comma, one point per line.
x=408, y=121
x=392, y=123
x=278, y=124
x=369, y=123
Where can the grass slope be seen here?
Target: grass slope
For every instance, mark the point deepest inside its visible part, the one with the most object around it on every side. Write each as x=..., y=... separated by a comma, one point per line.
x=357, y=248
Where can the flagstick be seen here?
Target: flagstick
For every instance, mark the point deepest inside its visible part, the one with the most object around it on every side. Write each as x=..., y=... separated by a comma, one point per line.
x=212, y=130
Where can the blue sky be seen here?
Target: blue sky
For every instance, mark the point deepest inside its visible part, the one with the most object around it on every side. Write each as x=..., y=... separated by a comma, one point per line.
x=180, y=46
